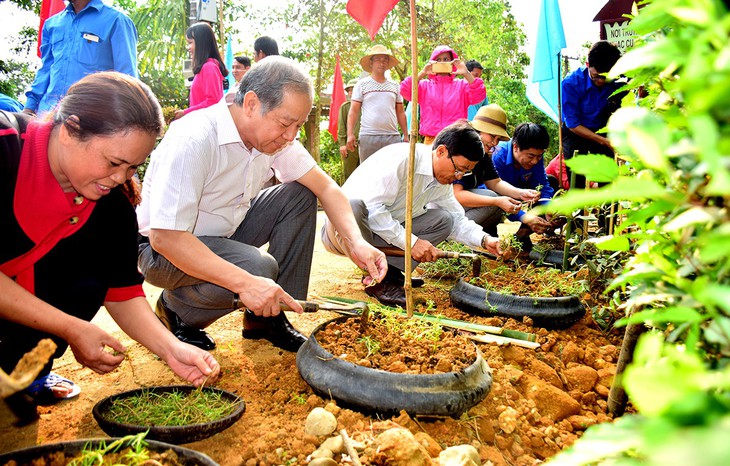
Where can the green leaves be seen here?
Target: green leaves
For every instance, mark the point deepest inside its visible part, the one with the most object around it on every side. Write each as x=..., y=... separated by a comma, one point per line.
x=624, y=188
x=594, y=167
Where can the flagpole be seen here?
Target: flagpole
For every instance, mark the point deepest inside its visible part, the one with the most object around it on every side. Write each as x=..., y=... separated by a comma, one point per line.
x=407, y=262
x=560, y=122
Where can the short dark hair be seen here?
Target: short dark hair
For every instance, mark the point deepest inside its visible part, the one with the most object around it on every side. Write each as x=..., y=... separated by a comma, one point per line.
x=245, y=61
x=267, y=45
x=205, y=47
x=471, y=64
x=269, y=79
x=461, y=138
x=531, y=136
x=603, y=55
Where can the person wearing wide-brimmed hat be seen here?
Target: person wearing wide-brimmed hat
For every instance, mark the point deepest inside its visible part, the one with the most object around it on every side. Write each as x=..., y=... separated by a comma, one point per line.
x=485, y=196
x=350, y=159
x=377, y=105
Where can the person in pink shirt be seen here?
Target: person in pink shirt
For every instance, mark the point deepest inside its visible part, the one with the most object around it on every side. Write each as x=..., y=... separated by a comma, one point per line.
x=207, y=88
x=442, y=98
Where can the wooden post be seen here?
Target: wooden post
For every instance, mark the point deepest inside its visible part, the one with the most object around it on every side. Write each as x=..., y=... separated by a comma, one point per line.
x=411, y=161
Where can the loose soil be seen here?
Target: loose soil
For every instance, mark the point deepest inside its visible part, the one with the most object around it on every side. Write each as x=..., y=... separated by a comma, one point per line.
x=395, y=344
x=540, y=401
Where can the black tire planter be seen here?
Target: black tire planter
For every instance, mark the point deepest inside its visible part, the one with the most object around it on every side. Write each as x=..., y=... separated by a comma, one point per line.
x=552, y=313
x=553, y=257
x=26, y=456
x=171, y=434
x=375, y=391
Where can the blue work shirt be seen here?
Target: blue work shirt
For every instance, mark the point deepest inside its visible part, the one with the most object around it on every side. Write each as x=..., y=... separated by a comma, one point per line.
x=518, y=177
x=584, y=103
x=98, y=38
x=9, y=104
x=471, y=112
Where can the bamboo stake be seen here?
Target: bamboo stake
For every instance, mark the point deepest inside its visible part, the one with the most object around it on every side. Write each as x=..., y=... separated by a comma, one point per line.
x=500, y=340
x=450, y=323
x=411, y=161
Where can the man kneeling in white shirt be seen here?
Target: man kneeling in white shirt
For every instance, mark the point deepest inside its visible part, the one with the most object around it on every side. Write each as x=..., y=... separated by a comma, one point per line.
x=377, y=193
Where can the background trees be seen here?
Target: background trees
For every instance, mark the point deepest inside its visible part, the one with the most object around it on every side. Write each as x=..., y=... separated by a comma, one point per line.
x=318, y=30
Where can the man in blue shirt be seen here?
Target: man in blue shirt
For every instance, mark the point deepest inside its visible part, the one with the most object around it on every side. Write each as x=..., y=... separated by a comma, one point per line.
x=519, y=162
x=476, y=69
x=86, y=37
x=587, y=104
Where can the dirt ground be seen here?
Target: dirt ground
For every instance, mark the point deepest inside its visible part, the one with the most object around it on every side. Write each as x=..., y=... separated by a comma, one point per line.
x=540, y=400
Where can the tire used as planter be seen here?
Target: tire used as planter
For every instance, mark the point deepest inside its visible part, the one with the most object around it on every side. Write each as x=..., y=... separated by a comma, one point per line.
x=375, y=391
x=186, y=456
x=552, y=313
x=171, y=434
x=553, y=257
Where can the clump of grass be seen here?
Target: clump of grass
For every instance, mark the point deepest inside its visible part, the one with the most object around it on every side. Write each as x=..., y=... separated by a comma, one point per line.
x=416, y=329
x=447, y=268
x=371, y=345
x=136, y=452
x=171, y=408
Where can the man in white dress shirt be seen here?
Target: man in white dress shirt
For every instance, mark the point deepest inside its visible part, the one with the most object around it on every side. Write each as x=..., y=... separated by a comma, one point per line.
x=204, y=214
x=377, y=192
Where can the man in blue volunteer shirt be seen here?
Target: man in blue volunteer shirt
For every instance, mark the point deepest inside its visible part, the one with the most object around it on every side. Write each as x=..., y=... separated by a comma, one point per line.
x=519, y=162
x=588, y=103
x=86, y=37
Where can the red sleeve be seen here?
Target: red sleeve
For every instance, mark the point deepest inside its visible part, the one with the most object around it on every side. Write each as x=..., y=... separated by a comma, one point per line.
x=126, y=293
x=209, y=86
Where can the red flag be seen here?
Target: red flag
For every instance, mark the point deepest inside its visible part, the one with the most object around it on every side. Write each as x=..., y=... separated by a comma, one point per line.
x=48, y=9
x=338, y=98
x=370, y=13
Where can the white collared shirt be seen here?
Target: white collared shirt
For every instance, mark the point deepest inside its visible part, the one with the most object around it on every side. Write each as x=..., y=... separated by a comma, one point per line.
x=202, y=178
x=381, y=182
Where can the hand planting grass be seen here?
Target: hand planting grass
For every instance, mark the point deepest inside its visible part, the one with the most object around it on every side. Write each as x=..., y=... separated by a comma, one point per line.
x=171, y=408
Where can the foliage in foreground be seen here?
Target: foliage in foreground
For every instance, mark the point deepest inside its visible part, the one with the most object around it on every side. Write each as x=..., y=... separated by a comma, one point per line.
x=677, y=145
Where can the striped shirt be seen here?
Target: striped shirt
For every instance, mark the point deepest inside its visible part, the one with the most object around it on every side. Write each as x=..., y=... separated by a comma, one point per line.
x=377, y=114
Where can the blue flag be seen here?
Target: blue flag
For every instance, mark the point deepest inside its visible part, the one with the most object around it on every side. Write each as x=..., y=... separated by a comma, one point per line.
x=229, y=63
x=543, y=82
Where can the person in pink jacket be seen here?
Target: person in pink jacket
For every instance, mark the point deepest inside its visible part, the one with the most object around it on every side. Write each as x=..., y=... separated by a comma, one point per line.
x=207, y=87
x=442, y=98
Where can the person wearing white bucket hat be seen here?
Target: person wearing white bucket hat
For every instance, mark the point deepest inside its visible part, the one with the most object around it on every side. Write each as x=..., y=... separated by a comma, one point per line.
x=377, y=105
x=484, y=195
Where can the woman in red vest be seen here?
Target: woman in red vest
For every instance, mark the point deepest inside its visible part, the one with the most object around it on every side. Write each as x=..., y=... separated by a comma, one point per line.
x=68, y=244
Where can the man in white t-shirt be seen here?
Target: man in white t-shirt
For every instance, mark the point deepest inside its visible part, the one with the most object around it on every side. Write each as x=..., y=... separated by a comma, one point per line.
x=377, y=104
x=204, y=214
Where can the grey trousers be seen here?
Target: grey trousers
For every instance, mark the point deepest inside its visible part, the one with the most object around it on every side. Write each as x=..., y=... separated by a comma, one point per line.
x=284, y=216
x=434, y=226
x=368, y=144
x=488, y=217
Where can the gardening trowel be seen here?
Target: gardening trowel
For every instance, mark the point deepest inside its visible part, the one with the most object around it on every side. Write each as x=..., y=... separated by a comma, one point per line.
x=353, y=309
x=476, y=260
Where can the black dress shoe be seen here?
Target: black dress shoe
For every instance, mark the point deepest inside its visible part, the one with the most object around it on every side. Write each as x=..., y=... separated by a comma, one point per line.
x=183, y=332
x=417, y=282
x=277, y=329
x=388, y=293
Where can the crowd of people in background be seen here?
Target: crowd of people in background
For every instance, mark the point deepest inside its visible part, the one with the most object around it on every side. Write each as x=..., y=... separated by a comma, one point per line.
x=229, y=176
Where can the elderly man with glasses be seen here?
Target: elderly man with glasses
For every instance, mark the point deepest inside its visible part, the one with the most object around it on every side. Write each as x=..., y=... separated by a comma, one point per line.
x=377, y=193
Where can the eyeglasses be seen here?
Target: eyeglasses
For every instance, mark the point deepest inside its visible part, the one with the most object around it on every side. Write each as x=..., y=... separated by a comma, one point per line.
x=458, y=173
